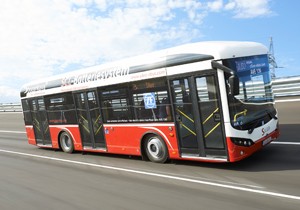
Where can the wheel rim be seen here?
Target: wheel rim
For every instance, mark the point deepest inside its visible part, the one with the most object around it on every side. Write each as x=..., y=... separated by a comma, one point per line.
x=155, y=148
x=66, y=141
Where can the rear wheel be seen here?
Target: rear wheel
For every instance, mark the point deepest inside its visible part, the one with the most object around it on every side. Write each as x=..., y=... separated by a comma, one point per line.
x=156, y=149
x=66, y=142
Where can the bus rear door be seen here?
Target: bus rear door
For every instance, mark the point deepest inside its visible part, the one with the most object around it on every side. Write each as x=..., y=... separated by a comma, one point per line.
x=198, y=117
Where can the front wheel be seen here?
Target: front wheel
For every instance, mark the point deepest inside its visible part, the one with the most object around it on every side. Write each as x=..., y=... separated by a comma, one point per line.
x=66, y=142
x=156, y=149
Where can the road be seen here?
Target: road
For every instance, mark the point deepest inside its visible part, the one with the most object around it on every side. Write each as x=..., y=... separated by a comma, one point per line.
x=33, y=178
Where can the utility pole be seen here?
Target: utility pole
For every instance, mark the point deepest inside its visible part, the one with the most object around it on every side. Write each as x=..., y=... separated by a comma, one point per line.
x=272, y=61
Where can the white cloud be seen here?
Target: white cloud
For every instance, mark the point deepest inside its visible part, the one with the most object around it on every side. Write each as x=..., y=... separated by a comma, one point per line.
x=216, y=5
x=249, y=8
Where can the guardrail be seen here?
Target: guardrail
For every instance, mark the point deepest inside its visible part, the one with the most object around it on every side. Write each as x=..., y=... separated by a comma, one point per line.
x=286, y=86
x=10, y=107
x=282, y=87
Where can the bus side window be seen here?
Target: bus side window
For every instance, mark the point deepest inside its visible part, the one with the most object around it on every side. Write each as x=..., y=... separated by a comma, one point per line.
x=165, y=109
x=60, y=109
x=115, y=105
x=26, y=112
x=157, y=107
x=107, y=110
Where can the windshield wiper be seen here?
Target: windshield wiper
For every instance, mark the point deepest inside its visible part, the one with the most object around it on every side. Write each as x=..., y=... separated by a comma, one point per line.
x=271, y=114
x=254, y=126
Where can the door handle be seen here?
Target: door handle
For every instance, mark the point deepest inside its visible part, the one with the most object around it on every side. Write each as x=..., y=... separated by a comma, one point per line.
x=217, y=117
x=178, y=117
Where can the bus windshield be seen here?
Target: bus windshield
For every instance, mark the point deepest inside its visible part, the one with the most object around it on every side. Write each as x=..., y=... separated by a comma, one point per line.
x=253, y=107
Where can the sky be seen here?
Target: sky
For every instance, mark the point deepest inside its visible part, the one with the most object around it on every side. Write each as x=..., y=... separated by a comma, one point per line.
x=49, y=37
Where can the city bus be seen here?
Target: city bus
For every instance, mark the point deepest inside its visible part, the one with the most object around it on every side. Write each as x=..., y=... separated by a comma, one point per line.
x=205, y=101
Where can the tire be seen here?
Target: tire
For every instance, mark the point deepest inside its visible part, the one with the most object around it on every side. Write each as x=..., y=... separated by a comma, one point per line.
x=66, y=142
x=156, y=149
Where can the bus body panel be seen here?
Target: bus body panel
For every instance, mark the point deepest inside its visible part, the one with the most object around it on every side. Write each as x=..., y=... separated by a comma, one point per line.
x=256, y=135
x=126, y=138
x=260, y=136
x=30, y=134
x=237, y=153
x=73, y=130
x=117, y=136
x=120, y=142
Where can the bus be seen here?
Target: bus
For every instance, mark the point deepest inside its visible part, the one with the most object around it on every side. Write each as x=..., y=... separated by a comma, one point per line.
x=206, y=101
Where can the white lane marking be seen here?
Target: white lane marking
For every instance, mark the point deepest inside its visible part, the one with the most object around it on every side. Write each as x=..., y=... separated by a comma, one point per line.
x=226, y=186
x=286, y=143
x=221, y=181
x=3, y=131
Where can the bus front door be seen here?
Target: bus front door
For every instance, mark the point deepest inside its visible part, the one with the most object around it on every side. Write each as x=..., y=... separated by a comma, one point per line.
x=198, y=117
x=40, y=122
x=90, y=120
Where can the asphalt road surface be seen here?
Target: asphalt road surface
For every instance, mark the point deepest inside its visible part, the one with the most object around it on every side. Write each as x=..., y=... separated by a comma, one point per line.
x=33, y=178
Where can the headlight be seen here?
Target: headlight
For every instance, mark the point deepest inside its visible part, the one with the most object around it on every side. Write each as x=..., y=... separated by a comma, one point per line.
x=242, y=142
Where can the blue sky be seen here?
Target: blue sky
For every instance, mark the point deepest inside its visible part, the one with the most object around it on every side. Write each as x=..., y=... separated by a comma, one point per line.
x=43, y=38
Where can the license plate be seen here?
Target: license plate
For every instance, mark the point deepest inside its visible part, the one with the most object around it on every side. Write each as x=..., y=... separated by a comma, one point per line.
x=267, y=141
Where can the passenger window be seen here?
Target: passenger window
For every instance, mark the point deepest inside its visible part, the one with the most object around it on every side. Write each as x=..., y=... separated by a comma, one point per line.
x=26, y=112
x=61, y=109
x=115, y=105
x=151, y=101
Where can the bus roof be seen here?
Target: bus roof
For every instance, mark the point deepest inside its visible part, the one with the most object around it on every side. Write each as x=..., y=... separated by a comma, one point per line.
x=154, y=63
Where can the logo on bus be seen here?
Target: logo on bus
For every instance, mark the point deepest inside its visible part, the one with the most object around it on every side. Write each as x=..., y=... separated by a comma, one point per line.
x=265, y=130
x=149, y=100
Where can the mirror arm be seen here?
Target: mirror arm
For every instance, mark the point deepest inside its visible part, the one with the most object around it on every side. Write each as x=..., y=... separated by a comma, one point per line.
x=233, y=78
x=217, y=65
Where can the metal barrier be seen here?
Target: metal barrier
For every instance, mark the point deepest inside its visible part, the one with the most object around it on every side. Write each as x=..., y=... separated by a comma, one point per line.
x=10, y=107
x=286, y=86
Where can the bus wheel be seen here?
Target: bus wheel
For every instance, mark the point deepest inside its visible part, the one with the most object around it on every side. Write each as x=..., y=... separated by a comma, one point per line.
x=156, y=149
x=66, y=142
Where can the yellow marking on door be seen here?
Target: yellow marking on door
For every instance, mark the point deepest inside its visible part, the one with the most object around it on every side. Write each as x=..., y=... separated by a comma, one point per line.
x=192, y=132
x=190, y=119
x=210, y=116
x=214, y=128
x=98, y=130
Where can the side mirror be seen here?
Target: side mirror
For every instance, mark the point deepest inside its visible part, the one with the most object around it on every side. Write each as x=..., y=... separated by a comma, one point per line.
x=234, y=84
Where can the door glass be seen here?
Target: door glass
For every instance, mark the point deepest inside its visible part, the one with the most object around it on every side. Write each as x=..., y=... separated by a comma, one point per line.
x=96, y=119
x=90, y=120
x=41, y=104
x=37, y=126
x=184, y=114
x=210, y=112
x=83, y=119
x=44, y=121
x=40, y=121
